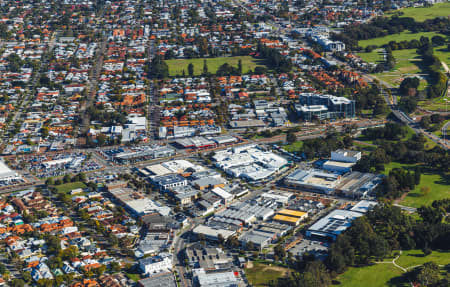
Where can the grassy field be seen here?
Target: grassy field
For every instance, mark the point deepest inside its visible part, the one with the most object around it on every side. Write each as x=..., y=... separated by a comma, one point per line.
x=437, y=104
x=176, y=66
x=67, y=187
x=411, y=258
x=423, y=13
x=408, y=64
x=405, y=35
x=439, y=189
x=295, y=147
x=378, y=275
x=439, y=132
x=443, y=54
x=386, y=274
x=134, y=277
x=261, y=274
x=372, y=57
x=439, y=185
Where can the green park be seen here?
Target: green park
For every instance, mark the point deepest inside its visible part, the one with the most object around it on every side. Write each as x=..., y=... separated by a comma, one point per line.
x=421, y=14
x=386, y=273
x=177, y=66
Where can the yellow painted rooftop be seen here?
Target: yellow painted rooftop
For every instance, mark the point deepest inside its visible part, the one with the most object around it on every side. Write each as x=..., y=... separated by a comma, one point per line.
x=280, y=217
x=291, y=212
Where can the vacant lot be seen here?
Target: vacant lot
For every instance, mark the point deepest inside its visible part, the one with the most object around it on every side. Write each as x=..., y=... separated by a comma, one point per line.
x=67, y=187
x=294, y=147
x=261, y=274
x=177, y=66
x=423, y=13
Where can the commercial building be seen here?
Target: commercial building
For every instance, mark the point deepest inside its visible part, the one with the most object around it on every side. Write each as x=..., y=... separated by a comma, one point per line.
x=337, y=221
x=143, y=153
x=313, y=180
x=246, y=213
x=333, y=224
x=259, y=240
x=7, y=175
x=163, y=279
x=169, y=181
x=215, y=279
x=156, y=264
x=249, y=162
x=208, y=258
x=212, y=232
x=337, y=166
x=137, y=203
x=343, y=155
x=280, y=197
x=354, y=184
x=358, y=185
x=227, y=197
x=247, y=124
x=196, y=142
x=313, y=105
x=290, y=217
x=184, y=194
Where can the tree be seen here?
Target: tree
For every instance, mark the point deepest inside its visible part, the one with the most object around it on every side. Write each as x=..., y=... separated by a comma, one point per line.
x=44, y=131
x=260, y=70
x=408, y=84
x=428, y=274
x=205, y=67
x=430, y=214
x=240, y=67
x=2, y=269
x=158, y=68
x=26, y=276
x=17, y=283
x=100, y=270
x=115, y=266
x=408, y=103
x=437, y=40
x=425, y=190
x=273, y=92
x=191, y=70
x=279, y=251
x=291, y=137
x=66, y=178
x=315, y=275
x=101, y=140
x=250, y=246
x=49, y=181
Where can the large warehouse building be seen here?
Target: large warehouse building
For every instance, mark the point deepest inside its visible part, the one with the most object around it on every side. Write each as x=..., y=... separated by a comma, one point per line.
x=7, y=175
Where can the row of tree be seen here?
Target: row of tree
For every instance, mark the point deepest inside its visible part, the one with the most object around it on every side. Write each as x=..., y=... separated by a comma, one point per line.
x=383, y=26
